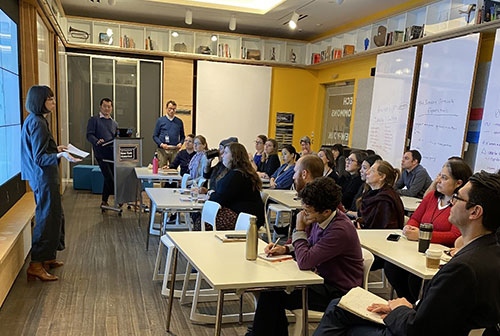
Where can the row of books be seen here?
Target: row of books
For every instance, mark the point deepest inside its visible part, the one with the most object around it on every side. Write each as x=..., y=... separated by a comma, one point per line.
x=127, y=42
x=224, y=50
x=332, y=53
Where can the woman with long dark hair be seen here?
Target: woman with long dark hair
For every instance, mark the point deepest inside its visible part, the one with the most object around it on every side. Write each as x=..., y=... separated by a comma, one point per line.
x=40, y=166
x=239, y=190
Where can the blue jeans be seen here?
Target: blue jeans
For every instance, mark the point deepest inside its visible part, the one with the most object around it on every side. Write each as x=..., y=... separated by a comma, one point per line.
x=337, y=321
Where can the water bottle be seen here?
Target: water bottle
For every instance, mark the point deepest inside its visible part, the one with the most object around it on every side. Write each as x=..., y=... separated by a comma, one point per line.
x=155, y=164
x=424, y=237
x=251, y=247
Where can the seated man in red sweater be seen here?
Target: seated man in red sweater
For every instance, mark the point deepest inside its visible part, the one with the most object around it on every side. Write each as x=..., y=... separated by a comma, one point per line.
x=434, y=209
x=332, y=250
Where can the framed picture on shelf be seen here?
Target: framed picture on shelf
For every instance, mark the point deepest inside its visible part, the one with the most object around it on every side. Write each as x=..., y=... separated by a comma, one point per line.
x=104, y=38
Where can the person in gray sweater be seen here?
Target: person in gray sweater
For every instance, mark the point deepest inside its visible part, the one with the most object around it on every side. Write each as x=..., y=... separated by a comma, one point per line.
x=414, y=179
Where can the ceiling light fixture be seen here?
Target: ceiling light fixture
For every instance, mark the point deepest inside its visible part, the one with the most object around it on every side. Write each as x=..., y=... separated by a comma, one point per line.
x=175, y=34
x=189, y=17
x=293, y=21
x=214, y=38
x=232, y=23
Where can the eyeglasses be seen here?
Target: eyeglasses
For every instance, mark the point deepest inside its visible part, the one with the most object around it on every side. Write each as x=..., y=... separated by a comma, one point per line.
x=259, y=142
x=455, y=198
x=350, y=160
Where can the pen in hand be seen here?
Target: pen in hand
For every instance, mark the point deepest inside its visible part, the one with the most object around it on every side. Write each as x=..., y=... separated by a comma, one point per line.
x=276, y=242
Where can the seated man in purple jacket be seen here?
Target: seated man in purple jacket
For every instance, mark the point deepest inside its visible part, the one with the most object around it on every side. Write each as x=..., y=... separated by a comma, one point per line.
x=332, y=250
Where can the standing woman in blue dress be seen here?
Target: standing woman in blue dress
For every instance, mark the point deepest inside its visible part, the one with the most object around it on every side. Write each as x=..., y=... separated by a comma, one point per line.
x=40, y=166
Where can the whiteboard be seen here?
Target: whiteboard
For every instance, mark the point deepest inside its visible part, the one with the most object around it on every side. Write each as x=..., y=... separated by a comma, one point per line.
x=391, y=104
x=488, y=148
x=443, y=97
x=232, y=100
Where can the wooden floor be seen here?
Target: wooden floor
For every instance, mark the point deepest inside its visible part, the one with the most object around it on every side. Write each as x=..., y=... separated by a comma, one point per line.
x=105, y=286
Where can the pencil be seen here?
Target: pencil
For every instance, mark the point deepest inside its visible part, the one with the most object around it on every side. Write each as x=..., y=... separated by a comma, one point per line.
x=276, y=242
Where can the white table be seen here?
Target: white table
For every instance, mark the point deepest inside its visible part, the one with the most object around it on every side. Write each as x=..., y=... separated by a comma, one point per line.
x=204, y=251
x=169, y=199
x=144, y=174
x=403, y=253
x=410, y=203
x=286, y=197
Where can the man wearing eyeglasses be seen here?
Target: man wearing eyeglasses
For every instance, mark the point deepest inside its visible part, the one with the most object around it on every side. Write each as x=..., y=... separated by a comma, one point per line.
x=168, y=134
x=463, y=295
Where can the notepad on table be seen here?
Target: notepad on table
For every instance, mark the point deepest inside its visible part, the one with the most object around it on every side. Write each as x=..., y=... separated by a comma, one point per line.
x=357, y=300
x=275, y=258
x=231, y=237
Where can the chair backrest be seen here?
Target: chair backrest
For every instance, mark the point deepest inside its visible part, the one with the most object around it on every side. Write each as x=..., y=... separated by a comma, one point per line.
x=265, y=198
x=243, y=221
x=406, y=219
x=200, y=181
x=209, y=213
x=184, y=181
x=368, y=259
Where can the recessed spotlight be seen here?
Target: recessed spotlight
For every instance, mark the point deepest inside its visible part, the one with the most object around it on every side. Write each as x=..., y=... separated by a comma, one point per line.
x=175, y=34
x=232, y=23
x=214, y=38
x=293, y=21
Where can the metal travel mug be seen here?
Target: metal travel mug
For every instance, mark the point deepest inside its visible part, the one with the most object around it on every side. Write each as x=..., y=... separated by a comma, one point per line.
x=424, y=237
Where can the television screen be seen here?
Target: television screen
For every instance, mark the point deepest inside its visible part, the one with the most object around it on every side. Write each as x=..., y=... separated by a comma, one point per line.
x=10, y=111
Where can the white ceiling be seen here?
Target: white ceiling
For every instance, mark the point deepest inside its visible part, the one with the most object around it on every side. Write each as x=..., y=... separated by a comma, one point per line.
x=322, y=15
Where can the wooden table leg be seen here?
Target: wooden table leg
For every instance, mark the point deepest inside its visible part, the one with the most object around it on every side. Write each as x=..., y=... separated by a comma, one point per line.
x=305, y=317
x=218, y=318
x=172, y=285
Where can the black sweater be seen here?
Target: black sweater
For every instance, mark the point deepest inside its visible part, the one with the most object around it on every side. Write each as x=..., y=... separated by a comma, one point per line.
x=270, y=165
x=234, y=191
x=350, y=185
x=101, y=128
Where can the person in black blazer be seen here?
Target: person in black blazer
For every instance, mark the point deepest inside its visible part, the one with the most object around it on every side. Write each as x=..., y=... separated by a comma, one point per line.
x=239, y=190
x=270, y=161
x=463, y=295
x=350, y=182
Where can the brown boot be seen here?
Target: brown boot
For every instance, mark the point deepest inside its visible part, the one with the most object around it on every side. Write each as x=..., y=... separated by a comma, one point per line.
x=36, y=270
x=52, y=264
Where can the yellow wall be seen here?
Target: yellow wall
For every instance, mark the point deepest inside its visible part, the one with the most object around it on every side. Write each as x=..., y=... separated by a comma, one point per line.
x=295, y=91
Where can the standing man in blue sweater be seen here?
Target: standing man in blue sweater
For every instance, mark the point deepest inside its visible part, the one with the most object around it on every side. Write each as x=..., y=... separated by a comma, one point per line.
x=168, y=135
x=100, y=130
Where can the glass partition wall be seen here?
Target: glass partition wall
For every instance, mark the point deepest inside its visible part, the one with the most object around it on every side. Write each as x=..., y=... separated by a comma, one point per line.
x=92, y=78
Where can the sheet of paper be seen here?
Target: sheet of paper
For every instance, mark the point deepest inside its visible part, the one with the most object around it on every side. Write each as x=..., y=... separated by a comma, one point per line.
x=275, y=258
x=76, y=151
x=357, y=300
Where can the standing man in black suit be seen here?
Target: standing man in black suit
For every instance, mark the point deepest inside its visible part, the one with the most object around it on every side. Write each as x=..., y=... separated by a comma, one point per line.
x=463, y=295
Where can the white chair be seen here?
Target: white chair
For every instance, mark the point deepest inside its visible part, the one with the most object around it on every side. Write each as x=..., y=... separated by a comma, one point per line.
x=315, y=316
x=265, y=198
x=208, y=215
x=242, y=222
x=185, y=180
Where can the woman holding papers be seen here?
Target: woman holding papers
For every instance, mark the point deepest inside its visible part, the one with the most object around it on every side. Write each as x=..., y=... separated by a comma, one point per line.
x=40, y=166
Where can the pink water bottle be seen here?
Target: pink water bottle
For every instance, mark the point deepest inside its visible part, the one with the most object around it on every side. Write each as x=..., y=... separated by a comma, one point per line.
x=155, y=164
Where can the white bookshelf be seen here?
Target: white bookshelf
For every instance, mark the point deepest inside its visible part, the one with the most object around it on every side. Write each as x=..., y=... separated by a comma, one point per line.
x=274, y=51
x=132, y=37
x=104, y=33
x=79, y=31
x=252, y=45
x=181, y=41
x=206, y=43
x=157, y=39
x=229, y=46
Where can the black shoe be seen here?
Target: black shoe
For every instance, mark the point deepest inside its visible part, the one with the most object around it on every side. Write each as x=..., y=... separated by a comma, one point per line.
x=249, y=330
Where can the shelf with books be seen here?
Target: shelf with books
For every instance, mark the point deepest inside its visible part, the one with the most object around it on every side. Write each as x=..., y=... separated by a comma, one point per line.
x=132, y=37
x=205, y=43
x=274, y=50
x=156, y=39
x=251, y=49
x=229, y=46
x=181, y=41
x=106, y=34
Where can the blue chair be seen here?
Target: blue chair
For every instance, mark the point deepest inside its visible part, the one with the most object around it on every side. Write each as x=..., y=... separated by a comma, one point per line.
x=82, y=177
x=97, y=180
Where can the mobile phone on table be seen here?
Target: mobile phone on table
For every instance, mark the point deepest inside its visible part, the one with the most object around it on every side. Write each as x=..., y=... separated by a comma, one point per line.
x=393, y=237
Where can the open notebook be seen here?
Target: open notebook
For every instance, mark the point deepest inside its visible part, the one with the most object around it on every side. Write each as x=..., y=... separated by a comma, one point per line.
x=275, y=258
x=357, y=300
